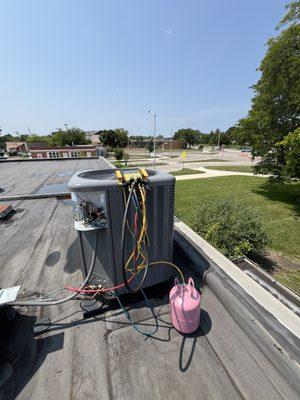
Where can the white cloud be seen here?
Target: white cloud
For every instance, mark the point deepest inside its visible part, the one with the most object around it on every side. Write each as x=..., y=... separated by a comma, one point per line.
x=168, y=32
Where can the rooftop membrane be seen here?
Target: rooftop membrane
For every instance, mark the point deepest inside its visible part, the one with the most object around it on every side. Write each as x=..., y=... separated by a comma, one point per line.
x=241, y=350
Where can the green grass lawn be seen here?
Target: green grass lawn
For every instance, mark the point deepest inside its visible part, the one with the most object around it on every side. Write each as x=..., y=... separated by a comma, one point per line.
x=185, y=171
x=277, y=204
x=236, y=168
x=133, y=156
x=138, y=156
x=207, y=160
x=289, y=278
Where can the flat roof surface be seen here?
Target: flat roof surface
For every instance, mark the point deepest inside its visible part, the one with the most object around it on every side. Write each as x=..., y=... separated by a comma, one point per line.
x=231, y=356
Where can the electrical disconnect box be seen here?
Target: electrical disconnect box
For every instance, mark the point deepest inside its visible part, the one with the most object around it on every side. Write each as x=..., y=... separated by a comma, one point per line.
x=98, y=205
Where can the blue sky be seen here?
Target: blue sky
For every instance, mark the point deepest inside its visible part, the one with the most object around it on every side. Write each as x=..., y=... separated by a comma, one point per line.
x=100, y=64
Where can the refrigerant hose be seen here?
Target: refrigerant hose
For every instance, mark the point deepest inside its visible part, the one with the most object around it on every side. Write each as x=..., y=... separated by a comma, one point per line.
x=72, y=296
x=126, y=281
x=134, y=324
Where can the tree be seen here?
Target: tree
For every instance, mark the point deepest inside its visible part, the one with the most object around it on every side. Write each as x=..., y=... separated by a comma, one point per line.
x=224, y=139
x=7, y=138
x=287, y=167
x=187, y=137
x=213, y=138
x=204, y=138
x=119, y=153
x=275, y=108
x=70, y=136
x=217, y=137
x=292, y=148
x=117, y=138
x=36, y=138
x=24, y=138
x=292, y=16
x=122, y=136
x=234, y=136
x=138, y=141
x=150, y=145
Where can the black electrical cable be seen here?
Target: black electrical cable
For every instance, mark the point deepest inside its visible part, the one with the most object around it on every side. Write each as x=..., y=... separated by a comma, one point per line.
x=130, y=289
x=82, y=253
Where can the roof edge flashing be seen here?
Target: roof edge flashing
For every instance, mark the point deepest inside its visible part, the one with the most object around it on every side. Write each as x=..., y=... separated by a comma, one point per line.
x=262, y=297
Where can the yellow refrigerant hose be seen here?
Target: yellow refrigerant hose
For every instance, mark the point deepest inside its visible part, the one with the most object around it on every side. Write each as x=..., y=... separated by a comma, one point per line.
x=143, y=265
x=142, y=234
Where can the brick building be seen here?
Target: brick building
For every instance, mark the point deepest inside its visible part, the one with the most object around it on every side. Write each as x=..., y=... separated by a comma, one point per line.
x=43, y=150
x=171, y=144
x=63, y=152
x=15, y=147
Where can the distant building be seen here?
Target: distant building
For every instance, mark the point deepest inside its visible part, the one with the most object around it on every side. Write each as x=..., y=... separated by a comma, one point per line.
x=35, y=145
x=170, y=144
x=95, y=140
x=64, y=152
x=101, y=151
x=15, y=147
x=43, y=150
x=89, y=135
x=161, y=143
x=143, y=141
x=23, y=147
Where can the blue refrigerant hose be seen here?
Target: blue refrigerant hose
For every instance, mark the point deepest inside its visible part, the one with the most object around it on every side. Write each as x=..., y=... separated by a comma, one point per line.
x=133, y=324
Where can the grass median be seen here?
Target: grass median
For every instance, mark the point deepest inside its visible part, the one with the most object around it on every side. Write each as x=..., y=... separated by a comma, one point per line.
x=137, y=165
x=235, y=168
x=186, y=171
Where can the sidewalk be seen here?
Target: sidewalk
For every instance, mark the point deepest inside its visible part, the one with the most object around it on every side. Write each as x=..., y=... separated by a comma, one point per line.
x=210, y=173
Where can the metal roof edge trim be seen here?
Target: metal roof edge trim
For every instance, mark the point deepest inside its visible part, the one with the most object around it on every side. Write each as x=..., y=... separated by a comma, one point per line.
x=284, y=315
x=109, y=164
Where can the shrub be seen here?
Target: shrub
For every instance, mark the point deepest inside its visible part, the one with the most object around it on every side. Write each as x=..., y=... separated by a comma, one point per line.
x=230, y=227
x=119, y=154
x=150, y=146
x=126, y=158
x=118, y=164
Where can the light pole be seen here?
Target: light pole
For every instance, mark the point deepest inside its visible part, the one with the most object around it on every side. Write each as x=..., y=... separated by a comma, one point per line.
x=154, y=137
x=219, y=135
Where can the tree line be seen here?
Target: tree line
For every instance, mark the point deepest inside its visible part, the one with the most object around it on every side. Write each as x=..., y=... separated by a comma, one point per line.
x=272, y=126
x=120, y=138
x=192, y=137
x=61, y=137
x=114, y=138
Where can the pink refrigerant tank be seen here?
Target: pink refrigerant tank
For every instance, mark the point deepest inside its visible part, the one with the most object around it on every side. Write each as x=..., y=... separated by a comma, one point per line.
x=185, y=307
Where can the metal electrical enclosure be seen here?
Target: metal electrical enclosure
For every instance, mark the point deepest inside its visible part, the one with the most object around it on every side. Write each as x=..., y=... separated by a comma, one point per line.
x=100, y=187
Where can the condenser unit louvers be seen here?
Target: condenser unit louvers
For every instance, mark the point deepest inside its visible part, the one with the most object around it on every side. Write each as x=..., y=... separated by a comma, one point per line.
x=100, y=189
